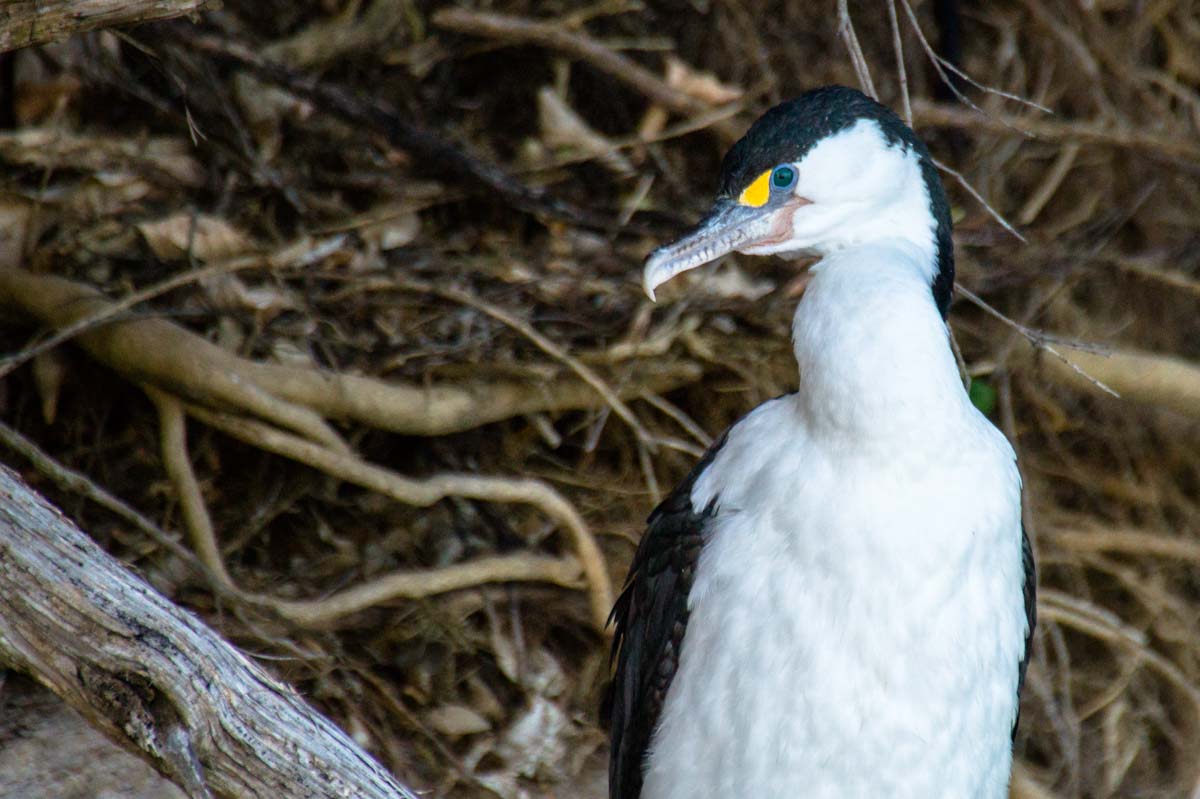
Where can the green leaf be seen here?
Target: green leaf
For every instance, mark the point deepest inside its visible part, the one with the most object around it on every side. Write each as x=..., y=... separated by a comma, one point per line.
x=983, y=396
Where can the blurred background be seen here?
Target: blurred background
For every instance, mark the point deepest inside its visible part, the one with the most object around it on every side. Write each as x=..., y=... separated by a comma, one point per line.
x=415, y=231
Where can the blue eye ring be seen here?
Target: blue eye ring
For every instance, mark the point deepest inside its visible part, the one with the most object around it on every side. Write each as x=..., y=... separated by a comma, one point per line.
x=783, y=177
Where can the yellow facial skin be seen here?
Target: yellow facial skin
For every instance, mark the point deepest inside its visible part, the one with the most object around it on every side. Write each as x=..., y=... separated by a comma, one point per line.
x=757, y=193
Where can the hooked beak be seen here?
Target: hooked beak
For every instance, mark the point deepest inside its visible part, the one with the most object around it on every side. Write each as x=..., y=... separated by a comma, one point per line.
x=729, y=226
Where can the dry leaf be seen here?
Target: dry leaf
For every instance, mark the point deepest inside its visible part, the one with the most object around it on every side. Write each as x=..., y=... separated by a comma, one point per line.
x=211, y=239
x=391, y=228
x=265, y=108
x=49, y=371
x=562, y=128
x=537, y=740
x=701, y=85
x=15, y=216
x=53, y=148
x=455, y=721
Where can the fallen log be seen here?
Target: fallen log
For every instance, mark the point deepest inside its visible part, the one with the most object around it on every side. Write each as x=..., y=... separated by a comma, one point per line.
x=25, y=23
x=153, y=677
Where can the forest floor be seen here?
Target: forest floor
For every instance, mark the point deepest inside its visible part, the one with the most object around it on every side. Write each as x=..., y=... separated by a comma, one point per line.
x=351, y=292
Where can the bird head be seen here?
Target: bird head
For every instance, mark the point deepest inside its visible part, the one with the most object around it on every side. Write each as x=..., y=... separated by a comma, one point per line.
x=828, y=170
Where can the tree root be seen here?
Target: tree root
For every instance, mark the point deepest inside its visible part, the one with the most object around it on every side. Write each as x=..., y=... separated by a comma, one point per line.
x=173, y=364
x=173, y=433
x=433, y=489
x=159, y=353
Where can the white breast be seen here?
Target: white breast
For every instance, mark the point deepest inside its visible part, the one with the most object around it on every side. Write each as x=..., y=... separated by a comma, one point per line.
x=831, y=655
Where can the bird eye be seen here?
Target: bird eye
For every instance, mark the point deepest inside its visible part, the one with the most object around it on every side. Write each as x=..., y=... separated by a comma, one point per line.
x=783, y=177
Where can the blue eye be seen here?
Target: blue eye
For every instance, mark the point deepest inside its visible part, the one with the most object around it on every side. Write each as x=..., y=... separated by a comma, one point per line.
x=783, y=177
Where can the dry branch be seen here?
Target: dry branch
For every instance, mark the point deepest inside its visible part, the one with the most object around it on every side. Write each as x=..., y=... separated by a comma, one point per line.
x=24, y=23
x=155, y=679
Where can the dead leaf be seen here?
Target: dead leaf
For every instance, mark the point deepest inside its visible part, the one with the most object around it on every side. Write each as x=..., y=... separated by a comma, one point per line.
x=563, y=128
x=391, y=228
x=15, y=216
x=455, y=721
x=154, y=157
x=703, y=86
x=49, y=371
x=211, y=238
x=537, y=740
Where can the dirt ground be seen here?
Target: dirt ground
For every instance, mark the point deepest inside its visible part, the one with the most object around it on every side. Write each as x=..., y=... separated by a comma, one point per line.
x=384, y=364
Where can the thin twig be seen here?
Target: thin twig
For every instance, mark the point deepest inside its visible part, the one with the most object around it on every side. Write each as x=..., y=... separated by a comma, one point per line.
x=1039, y=340
x=901, y=73
x=850, y=38
x=1175, y=147
x=966, y=184
x=941, y=65
x=547, y=346
x=682, y=419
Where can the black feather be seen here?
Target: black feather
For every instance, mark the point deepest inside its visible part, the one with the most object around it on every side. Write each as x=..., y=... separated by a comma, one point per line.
x=651, y=618
x=788, y=131
x=1030, y=618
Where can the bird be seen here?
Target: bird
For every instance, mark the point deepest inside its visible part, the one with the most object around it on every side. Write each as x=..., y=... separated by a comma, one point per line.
x=839, y=599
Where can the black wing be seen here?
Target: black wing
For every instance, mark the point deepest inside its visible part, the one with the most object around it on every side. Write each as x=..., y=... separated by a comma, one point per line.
x=1030, y=617
x=651, y=616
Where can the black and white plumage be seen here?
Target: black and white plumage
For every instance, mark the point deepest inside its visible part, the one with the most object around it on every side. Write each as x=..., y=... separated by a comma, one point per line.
x=838, y=600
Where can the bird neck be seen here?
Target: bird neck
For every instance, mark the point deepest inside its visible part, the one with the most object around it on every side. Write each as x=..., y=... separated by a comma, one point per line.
x=873, y=351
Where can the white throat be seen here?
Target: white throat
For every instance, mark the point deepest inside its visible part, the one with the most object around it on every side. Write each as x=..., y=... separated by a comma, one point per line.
x=873, y=351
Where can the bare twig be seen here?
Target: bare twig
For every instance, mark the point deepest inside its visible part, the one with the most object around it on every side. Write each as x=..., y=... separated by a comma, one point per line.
x=850, y=39
x=1038, y=339
x=941, y=65
x=901, y=73
x=547, y=346
x=966, y=184
x=1049, y=185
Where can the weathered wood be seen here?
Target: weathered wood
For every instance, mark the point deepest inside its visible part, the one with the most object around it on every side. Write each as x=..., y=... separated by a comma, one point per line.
x=47, y=751
x=24, y=23
x=153, y=677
